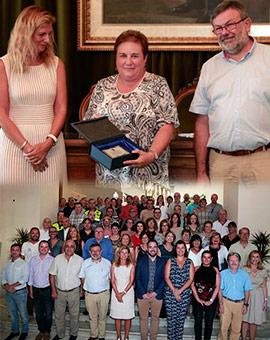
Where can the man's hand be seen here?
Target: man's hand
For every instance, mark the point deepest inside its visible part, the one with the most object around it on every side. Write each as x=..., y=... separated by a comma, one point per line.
x=145, y=296
x=54, y=294
x=152, y=295
x=203, y=179
x=221, y=308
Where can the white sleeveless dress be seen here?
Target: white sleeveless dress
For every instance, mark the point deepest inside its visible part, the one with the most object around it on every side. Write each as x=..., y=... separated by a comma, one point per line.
x=31, y=108
x=123, y=310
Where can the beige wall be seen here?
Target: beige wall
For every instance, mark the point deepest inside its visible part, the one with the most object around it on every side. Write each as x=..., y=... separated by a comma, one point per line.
x=248, y=205
x=24, y=208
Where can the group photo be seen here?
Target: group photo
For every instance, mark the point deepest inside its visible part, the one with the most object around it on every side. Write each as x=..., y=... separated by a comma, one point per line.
x=134, y=170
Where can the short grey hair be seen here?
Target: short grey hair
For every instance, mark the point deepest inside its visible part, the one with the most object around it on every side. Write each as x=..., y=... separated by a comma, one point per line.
x=233, y=254
x=227, y=4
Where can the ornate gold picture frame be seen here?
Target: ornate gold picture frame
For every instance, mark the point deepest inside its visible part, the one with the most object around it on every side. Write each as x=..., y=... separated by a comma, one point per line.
x=94, y=34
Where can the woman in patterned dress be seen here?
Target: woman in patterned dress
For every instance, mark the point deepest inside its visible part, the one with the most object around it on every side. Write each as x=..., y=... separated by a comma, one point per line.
x=32, y=104
x=142, y=106
x=179, y=274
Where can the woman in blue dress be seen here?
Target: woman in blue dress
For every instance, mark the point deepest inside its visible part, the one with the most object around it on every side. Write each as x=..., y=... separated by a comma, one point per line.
x=179, y=274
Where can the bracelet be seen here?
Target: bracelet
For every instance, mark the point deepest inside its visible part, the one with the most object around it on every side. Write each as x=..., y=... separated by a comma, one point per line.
x=125, y=291
x=266, y=299
x=53, y=138
x=221, y=303
x=22, y=147
x=155, y=154
x=211, y=300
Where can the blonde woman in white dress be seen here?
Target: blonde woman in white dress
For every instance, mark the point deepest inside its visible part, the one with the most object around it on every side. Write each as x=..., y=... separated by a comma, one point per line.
x=122, y=299
x=32, y=104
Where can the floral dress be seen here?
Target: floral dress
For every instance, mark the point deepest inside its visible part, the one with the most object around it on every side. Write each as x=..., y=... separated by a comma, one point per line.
x=139, y=115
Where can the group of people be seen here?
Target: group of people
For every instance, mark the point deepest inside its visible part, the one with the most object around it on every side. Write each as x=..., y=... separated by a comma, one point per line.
x=168, y=250
x=137, y=102
x=62, y=261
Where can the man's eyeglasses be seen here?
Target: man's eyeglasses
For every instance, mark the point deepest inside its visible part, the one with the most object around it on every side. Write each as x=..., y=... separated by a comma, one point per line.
x=229, y=27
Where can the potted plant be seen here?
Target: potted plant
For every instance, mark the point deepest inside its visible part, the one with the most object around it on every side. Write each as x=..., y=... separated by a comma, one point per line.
x=262, y=242
x=21, y=236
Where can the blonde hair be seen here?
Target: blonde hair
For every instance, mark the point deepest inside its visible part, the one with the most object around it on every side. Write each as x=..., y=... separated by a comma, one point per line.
x=259, y=266
x=117, y=259
x=21, y=48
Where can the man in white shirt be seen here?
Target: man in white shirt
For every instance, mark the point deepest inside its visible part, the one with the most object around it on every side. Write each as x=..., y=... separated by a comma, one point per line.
x=221, y=225
x=232, y=86
x=14, y=277
x=44, y=230
x=65, y=283
x=30, y=248
x=243, y=247
x=40, y=289
x=95, y=276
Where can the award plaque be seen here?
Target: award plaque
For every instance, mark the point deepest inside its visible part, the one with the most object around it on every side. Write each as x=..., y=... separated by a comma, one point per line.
x=108, y=145
x=115, y=152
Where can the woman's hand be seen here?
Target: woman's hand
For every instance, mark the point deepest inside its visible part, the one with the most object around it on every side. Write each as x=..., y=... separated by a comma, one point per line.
x=119, y=296
x=40, y=167
x=95, y=116
x=203, y=302
x=176, y=293
x=37, y=153
x=142, y=161
x=265, y=305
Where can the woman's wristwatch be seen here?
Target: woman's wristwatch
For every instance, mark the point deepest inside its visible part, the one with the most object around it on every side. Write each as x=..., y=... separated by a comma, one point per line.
x=154, y=153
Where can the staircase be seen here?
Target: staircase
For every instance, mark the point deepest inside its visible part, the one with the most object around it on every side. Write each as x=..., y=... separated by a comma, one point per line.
x=263, y=332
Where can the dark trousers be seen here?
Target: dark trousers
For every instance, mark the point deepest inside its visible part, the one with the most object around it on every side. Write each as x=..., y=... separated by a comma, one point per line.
x=209, y=311
x=43, y=304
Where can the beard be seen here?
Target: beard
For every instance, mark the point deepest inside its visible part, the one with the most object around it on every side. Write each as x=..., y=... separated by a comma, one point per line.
x=237, y=45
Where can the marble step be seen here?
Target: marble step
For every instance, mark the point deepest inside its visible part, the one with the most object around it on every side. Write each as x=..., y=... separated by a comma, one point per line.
x=263, y=332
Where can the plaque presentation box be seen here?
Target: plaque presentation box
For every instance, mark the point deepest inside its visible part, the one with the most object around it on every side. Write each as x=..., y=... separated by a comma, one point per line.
x=106, y=139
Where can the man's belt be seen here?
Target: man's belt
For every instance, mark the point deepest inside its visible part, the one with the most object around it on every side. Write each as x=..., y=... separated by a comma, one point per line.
x=18, y=290
x=69, y=290
x=97, y=292
x=224, y=297
x=242, y=152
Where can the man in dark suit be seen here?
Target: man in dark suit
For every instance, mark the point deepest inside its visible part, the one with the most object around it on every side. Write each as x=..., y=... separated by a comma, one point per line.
x=150, y=285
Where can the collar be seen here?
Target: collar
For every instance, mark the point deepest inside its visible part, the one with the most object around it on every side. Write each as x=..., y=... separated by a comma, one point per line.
x=232, y=272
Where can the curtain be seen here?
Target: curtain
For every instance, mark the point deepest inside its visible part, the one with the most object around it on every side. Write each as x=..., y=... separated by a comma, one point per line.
x=85, y=68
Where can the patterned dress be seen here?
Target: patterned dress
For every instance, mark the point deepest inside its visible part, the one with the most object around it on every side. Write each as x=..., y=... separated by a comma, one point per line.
x=139, y=115
x=176, y=311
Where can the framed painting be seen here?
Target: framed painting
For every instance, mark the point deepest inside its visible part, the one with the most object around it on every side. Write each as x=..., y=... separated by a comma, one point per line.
x=168, y=24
